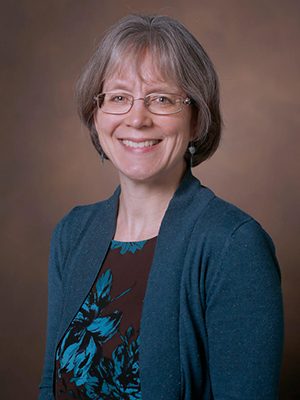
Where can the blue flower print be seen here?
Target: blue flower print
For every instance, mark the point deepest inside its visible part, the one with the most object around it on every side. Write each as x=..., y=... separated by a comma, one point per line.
x=119, y=376
x=81, y=350
x=127, y=246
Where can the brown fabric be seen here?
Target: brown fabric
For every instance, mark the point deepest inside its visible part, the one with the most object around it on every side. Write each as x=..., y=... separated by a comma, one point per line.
x=130, y=270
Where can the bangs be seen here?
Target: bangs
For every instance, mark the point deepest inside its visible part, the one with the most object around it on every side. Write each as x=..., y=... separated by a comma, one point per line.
x=134, y=54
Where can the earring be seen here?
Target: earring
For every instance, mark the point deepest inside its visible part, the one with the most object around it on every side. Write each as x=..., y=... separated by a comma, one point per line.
x=192, y=151
x=102, y=157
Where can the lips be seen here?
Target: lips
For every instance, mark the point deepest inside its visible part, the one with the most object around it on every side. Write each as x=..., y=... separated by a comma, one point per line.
x=147, y=143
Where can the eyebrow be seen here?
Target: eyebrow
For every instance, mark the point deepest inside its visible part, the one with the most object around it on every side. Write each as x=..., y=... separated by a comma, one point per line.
x=123, y=86
x=158, y=87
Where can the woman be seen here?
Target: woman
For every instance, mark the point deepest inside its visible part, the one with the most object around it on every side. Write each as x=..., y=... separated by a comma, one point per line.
x=164, y=291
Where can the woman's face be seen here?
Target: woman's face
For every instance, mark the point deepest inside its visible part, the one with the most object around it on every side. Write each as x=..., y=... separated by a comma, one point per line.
x=122, y=137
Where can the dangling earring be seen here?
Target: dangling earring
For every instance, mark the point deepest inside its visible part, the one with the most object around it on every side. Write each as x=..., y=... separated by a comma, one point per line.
x=192, y=151
x=102, y=157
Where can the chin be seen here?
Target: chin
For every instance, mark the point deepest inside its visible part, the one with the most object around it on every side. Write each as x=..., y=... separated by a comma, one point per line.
x=140, y=174
x=140, y=177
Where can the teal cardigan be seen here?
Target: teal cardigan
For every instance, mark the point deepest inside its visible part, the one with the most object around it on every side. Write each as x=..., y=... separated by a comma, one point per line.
x=212, y=321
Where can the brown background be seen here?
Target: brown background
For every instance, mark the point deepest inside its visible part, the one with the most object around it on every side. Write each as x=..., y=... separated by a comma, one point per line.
x=49, y=166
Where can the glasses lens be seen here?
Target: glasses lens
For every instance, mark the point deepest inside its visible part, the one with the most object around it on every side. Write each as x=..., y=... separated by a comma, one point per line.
x=164, y=103
x=115, y=103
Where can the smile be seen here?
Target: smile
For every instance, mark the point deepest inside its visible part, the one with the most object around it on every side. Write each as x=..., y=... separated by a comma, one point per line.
x=147, y=143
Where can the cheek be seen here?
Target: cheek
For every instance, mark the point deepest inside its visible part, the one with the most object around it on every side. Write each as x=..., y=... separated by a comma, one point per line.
x=103, y=125
x=185, y=131
x=185, y=126
x=106, y=124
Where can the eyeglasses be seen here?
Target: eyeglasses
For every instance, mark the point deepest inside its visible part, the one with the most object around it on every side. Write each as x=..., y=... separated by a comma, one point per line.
x=156, y=103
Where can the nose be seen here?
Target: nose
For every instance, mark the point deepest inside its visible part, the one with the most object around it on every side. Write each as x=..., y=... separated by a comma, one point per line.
x=139, y=116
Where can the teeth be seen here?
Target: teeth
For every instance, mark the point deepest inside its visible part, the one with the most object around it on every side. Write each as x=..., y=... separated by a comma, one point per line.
x=147, y=143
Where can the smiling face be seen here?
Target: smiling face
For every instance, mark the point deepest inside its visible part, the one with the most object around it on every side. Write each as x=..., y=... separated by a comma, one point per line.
x=141, y=145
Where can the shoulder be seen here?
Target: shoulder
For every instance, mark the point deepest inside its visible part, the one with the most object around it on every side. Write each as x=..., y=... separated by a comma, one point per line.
x=78, y=219
x=196, y=203
x=222, y=215
x=84, y=221
x=211, y=221
x=227, y=232
x=236, y=248
x=81, y=215
x=225, y=220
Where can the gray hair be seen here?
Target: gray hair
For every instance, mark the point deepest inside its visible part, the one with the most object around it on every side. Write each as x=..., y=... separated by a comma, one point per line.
x=178, y=56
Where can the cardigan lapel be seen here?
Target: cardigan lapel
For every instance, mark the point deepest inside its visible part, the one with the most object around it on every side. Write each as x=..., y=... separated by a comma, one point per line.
x=159, y=338
x=90, y=252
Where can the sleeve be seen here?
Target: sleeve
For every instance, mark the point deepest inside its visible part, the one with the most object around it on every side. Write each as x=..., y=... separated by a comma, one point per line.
x=244, y=318
x=55, y=301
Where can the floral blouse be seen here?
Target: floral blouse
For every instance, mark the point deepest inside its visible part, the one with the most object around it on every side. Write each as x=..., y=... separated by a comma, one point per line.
x=98, y=357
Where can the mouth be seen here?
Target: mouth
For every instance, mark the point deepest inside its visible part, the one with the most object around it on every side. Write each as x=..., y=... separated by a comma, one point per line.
x=147, y=143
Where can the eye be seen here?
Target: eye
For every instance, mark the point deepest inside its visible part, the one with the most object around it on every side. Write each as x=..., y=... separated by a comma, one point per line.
x=162, y=99
x=118, y=98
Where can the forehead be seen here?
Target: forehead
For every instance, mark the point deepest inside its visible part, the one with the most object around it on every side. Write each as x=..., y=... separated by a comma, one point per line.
x=143, y=68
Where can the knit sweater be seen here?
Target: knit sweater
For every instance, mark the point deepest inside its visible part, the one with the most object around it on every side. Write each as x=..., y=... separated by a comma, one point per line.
x=212, y=320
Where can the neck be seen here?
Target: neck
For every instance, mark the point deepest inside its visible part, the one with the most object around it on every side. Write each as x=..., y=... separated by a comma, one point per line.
x=142, y=206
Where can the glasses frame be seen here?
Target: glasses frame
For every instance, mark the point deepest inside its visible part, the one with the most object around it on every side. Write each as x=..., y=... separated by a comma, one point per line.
x=186, y=102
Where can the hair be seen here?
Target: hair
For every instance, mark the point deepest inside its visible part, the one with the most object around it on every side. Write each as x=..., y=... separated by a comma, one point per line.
x=178, y=57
